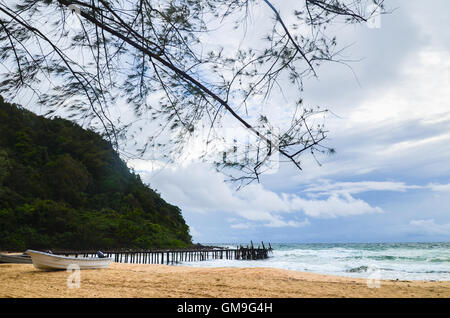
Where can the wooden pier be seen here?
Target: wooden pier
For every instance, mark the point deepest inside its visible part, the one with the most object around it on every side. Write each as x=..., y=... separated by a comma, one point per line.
x=176, y=256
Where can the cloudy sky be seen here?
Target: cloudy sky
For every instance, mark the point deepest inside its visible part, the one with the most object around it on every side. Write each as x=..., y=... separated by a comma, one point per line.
x=390, y=177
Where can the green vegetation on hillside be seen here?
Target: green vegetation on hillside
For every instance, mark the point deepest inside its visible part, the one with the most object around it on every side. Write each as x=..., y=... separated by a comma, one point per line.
x=65, y=187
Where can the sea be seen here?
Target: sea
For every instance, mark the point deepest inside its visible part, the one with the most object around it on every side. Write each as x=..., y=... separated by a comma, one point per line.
x=387, y=261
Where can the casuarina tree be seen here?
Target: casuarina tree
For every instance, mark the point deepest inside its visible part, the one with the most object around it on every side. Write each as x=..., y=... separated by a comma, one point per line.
x=154, y=75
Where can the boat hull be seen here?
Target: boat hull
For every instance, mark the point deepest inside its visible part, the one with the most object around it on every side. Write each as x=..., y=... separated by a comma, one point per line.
x=46, y=261
x=15, y=259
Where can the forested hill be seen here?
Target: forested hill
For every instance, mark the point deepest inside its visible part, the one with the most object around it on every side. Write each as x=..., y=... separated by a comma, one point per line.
x=65, y=187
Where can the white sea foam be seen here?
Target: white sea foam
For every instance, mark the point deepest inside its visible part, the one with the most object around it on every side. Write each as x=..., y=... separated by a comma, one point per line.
x=403, y=261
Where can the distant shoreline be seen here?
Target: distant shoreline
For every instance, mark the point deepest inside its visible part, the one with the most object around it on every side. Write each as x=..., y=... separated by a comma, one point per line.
x=137, y=280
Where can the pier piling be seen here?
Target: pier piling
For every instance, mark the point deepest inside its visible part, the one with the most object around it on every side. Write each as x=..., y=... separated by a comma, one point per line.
x=177, y=256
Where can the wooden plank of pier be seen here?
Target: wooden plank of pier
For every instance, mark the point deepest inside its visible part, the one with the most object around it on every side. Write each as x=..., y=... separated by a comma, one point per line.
x=176, y=256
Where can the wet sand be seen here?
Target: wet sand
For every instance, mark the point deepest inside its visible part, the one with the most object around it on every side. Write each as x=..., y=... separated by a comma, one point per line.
x=131, y=280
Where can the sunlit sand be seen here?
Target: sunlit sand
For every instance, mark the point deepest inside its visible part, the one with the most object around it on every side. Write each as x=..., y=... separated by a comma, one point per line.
x=131, y=280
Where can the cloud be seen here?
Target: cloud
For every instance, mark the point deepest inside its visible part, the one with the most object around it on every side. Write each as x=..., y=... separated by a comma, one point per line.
x=392, y=125
x=199, y=189
x=430, y=227
x=329, y=188
x=278, y=223
x=406, y=100
x=439, y=187
x=240, y=226
x=194, y=232
x=336, y=205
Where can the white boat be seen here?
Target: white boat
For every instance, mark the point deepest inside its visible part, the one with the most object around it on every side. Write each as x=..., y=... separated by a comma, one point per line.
x=15, y=258
x=47, y=261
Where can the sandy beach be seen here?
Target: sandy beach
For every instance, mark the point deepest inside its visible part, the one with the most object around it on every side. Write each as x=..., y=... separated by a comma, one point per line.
x=130, y=280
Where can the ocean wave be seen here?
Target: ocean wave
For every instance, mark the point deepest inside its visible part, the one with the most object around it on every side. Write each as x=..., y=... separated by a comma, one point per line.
x=359, y=269
x=400, y=258
x=437, y=272
x=439, y=260
x=411, y=261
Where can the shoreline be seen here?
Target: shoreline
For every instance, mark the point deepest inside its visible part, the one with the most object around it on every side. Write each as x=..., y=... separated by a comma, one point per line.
x=166, y=281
